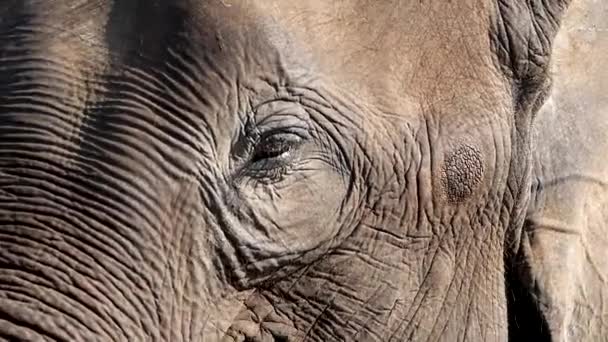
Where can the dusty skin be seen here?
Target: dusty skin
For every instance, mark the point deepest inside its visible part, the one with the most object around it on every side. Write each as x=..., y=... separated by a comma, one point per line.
x=276, y=170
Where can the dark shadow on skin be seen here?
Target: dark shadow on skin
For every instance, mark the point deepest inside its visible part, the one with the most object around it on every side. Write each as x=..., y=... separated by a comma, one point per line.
x=138, y=35
x=142, y=27
x=526, y=322
x=15, y=34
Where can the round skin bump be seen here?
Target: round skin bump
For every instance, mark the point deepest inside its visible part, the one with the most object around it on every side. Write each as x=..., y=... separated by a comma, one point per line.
x=462, y=172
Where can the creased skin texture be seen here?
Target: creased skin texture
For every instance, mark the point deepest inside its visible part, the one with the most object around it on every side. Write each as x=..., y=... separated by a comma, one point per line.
x=270, y=171
x=562, y=255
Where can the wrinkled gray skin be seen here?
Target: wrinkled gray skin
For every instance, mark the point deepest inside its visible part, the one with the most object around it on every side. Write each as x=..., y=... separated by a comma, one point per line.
x=563, y=252
x=302, y=171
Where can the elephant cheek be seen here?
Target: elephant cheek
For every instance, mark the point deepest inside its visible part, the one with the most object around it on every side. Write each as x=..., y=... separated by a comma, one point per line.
x=292, y=223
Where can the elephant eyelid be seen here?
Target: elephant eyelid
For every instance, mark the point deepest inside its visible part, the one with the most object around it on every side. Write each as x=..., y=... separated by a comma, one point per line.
x=275, y=145
x=272, y=154
x=271, y=140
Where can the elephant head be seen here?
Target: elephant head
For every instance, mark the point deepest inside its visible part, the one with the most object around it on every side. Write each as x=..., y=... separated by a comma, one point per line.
x=270, y=171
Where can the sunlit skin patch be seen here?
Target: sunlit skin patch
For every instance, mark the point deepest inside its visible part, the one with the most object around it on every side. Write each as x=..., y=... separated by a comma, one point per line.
x=462, y=172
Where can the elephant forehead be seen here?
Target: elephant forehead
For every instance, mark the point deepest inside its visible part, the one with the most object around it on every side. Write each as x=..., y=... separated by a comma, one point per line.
x=396, y=49
x=198, y=38
x=378, y=45
x=116, y=62
x=201, y=57
x=111, y=33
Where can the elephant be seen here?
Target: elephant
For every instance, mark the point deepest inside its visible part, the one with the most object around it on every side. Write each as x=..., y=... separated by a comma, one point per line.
x=350, y=170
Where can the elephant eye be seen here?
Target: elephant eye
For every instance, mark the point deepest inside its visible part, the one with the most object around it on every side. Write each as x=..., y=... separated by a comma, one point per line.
x=275, y=146
x=273, y=154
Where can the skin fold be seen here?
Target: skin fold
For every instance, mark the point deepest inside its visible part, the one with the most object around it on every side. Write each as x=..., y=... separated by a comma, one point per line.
x=562, y=254
x=206, y=170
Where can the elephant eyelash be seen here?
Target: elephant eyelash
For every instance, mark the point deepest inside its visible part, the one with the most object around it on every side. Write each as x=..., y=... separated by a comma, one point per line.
x=271, y=155
x=274, y=146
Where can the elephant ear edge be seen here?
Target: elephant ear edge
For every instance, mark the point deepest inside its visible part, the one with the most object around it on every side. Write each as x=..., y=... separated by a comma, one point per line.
x=523, y=41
